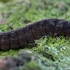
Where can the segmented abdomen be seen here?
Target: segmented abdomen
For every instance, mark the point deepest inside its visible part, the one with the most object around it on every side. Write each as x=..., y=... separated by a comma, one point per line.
x=23, y=36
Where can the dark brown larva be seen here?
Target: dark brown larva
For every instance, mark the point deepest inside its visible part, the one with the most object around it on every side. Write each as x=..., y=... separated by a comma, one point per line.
x=23, y=36
x=4, y=41
x=13, y=36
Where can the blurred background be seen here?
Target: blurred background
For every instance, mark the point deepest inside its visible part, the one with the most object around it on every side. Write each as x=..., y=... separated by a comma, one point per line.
x=18, y=13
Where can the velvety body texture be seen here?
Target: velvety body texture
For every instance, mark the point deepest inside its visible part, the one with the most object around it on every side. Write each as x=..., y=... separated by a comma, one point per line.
x=21, y=37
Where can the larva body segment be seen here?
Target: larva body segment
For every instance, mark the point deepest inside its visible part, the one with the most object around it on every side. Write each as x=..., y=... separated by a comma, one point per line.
x=66, y=28
x=50, y=25
x=14, y=44
x=22, y=37
x=42, y=27
x=59, y=28
x=36, y=31
x=4, y=41
x=29, y=34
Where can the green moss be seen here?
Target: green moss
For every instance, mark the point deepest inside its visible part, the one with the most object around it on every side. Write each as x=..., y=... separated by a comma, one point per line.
x=33, y=65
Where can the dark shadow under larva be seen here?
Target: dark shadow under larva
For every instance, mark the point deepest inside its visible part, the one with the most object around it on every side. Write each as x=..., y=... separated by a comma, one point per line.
x=21, y=37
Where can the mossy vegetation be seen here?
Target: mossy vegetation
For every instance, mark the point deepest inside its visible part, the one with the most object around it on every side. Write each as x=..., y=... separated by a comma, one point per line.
x=52, y=52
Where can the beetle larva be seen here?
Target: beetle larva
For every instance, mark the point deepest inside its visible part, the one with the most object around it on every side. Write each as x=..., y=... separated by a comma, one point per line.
x=23, y=36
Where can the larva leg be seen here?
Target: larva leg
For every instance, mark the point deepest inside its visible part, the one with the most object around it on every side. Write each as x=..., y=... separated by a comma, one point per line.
x=14, y=40
x=4, y=41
